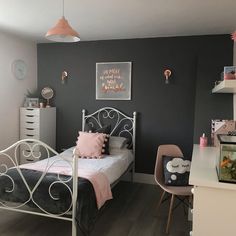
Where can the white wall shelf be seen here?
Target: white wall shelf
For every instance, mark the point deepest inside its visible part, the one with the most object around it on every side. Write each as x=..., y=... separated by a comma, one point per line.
x=226, y=86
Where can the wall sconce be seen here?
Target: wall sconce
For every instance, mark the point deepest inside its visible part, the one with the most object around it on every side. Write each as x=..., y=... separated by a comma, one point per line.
x=64, y=76
x=167, y=74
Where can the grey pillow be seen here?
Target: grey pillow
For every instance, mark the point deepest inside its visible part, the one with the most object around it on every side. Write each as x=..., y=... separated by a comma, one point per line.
x=117, y=142
x=176, y=170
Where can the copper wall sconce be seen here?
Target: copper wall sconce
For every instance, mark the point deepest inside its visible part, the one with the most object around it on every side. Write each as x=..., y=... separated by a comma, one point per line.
x=167, y=74
x=64, y=76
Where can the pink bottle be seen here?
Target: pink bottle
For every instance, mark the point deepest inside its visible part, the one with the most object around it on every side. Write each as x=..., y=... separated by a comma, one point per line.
x=203, y=140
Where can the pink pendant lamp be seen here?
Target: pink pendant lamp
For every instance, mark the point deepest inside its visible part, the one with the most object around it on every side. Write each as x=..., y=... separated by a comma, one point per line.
x=62, y=31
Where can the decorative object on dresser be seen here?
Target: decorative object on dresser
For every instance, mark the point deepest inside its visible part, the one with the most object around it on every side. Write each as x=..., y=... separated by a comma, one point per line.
x=113, y=81
x=37, y=123
x=32, y=102
x=203, y=140
x=47, y=93
x=32, y=98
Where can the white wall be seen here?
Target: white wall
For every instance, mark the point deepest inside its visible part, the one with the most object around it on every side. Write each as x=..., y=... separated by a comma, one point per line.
x=12, y=91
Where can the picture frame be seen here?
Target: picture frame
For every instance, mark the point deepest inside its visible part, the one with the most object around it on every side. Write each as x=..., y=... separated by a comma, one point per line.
x=32, y=102
x=113, y=80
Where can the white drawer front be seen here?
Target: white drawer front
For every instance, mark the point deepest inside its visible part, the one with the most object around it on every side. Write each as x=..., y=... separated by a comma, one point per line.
x=29, y=111
x=29, y=131
x=29, y=146
x=29, y=118
x=23, y=135
x=26, y=158
x=29, y=125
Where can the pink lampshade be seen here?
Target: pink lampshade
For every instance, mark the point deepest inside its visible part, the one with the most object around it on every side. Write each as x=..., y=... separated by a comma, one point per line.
x=233, y=36
x=62, y=32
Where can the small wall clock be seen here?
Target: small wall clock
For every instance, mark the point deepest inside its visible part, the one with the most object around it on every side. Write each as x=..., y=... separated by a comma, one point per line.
x=19, y=69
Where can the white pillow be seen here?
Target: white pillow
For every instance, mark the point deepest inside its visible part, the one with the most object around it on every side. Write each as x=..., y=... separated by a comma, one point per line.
x=117, y=142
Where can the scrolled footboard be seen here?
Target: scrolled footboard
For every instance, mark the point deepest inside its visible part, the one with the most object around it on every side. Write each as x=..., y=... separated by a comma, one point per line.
x=22, y=187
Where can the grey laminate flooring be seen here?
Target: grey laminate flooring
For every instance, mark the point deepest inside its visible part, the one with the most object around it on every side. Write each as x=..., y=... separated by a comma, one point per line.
x=131, y=213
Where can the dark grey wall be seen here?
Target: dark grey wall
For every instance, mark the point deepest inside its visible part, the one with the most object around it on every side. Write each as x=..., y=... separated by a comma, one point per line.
x=166, y=113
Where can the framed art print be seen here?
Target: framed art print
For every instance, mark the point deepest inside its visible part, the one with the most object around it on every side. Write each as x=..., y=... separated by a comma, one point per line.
x=113, y=81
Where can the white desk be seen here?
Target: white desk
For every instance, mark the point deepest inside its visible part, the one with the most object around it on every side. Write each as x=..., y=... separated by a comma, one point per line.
x=214, y=206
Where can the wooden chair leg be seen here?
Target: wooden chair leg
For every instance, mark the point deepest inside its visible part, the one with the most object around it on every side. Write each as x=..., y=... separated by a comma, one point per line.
x=170, y=213
x=160, y=201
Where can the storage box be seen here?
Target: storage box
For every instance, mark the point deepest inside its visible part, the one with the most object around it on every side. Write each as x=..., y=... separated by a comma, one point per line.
x=226, y=166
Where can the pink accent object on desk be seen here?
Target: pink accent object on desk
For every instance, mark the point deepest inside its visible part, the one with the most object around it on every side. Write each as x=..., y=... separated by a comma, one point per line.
x=203, y=141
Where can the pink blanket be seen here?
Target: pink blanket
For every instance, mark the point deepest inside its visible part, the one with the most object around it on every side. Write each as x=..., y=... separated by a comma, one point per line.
x=99, y=180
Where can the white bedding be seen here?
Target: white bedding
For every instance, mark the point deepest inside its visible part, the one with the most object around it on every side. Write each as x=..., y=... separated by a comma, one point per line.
x=113, y=165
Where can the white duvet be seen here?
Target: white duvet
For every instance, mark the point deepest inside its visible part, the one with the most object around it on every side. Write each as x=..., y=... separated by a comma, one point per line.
x=113, y=165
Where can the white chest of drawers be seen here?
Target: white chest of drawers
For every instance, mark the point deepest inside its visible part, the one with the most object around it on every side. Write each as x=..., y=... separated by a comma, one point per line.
x=37, y=123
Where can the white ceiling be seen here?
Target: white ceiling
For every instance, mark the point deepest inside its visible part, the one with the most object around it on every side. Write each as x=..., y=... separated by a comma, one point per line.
x=119, y=19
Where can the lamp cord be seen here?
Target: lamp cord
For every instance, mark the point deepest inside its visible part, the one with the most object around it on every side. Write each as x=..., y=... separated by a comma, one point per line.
x=63, y=8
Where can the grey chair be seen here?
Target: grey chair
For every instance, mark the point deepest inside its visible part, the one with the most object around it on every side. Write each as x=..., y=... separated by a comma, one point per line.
x=175, y=191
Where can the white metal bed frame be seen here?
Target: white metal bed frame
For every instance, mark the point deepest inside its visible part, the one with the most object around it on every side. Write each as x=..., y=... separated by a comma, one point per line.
x=122, y=124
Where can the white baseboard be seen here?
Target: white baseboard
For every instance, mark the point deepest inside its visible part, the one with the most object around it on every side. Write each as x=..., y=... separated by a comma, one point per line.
x=141, y=178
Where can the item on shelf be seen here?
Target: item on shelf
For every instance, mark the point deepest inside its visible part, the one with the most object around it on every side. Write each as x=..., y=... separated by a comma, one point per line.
x=226, y=166
x=229, y=72
x=203, y=140
x=217, y=82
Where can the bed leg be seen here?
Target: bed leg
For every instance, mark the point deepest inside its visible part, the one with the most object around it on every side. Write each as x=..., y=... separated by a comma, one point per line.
x=74, y=227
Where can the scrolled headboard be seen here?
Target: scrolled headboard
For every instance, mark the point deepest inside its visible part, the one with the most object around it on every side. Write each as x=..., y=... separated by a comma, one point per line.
x=121, y=124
